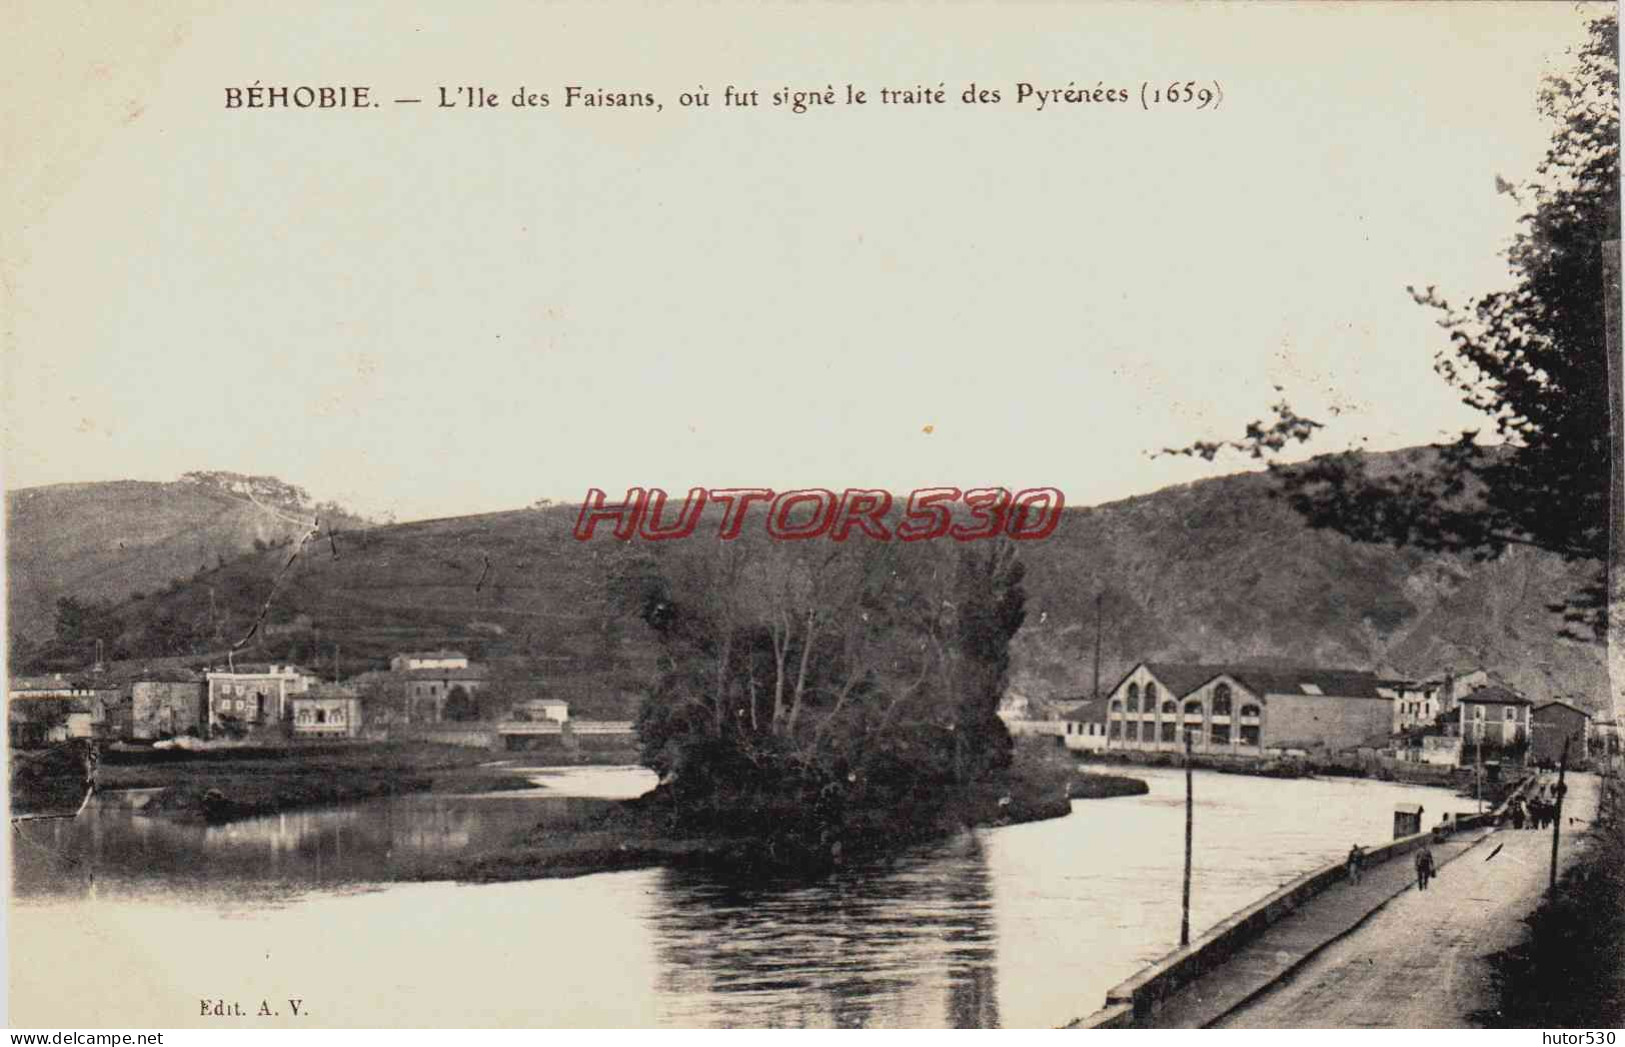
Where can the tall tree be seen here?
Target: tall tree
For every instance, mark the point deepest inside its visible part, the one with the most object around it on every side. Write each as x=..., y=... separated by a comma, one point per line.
x=1532, y=359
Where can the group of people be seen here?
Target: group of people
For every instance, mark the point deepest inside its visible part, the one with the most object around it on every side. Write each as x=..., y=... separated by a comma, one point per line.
x=1538, y=813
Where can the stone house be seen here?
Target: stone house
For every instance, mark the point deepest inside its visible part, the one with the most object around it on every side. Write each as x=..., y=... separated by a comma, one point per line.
x=1554, y=723
x=167, y=705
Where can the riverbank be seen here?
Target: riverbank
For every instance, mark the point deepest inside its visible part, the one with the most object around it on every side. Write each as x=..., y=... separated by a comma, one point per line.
x=1288, y=767
x=223, y=785
x=611, y=835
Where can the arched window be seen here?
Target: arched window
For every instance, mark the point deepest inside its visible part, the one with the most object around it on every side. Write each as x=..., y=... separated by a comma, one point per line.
x=1249, y=710
x=1117, y=706
x=1169, y=707
x=1194, y=706
x=1221, y=700
x=1150, y=696
x=1133, y=697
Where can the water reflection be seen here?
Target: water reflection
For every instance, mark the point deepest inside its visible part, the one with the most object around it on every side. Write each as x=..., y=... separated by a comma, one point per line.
x=1021, y=926
x=269, y=857
x=909, y=943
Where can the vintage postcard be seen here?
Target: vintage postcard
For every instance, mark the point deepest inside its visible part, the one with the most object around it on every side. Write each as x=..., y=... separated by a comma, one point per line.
x=884, y=515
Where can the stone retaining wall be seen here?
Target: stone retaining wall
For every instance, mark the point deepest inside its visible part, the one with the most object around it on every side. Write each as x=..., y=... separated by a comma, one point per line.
x=1131, y=1002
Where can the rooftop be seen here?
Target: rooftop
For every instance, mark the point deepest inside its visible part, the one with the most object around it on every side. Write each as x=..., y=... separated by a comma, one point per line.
x=1566, y=705
x=1495, y=694
x=1182, y=679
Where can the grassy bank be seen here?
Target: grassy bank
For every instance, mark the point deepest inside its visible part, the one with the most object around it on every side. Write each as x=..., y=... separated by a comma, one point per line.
x=1569, y=972
x=238, y=783
x=609, y=835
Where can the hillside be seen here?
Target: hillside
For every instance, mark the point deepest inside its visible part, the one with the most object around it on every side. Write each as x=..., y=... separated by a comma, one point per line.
x=103, y=541
x=1211, y=571
x=1220, y=571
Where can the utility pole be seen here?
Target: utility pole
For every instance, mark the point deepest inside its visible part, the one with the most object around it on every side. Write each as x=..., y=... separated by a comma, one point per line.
x=1478, y=764
x=1100, y=600
x=1185, y=910
x=1557, y=813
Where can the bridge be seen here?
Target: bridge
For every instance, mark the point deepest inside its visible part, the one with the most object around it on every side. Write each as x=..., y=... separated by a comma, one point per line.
x=516, y=728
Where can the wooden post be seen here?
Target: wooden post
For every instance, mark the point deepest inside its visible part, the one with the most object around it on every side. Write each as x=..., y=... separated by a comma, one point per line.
x=1478, y=764
x=1185, y=910
x=1100, y=600
x=1557, y=811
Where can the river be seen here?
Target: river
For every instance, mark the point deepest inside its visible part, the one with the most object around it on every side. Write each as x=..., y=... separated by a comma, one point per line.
x=1020, y=926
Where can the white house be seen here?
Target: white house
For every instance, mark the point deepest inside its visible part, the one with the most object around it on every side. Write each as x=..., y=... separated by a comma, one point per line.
x=537, y=709
x=419, y=660
x=254, y=694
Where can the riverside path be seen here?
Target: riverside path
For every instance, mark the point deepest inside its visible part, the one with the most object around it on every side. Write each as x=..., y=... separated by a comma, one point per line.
x=1422, y=960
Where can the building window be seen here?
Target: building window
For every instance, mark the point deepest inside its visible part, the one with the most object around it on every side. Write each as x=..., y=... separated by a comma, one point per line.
x=1249, y=734
x=1150, y=696
x=1116, y=729
x=1133, y=696
x=1221, y=734
x=1133, y=732
x=1512, y=712
x=1221, y=700
x=1170, y=708
x=1169, y=731
x=1193, y=707
x=1117, y=706
x=1249, y=710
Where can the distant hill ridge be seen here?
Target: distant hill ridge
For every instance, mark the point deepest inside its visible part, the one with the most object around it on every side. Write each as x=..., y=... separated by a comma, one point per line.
x=1215, y=571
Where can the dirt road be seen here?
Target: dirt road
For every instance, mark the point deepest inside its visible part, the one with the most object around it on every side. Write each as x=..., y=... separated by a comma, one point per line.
x=1421, y=961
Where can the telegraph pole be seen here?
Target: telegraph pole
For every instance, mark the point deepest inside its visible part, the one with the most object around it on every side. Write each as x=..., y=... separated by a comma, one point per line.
x=1100, y=600
x=1185, y=910
x=1478, y=764
x=1557, y=813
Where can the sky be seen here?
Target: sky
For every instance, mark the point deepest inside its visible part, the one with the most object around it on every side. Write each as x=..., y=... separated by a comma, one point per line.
x=426, y=312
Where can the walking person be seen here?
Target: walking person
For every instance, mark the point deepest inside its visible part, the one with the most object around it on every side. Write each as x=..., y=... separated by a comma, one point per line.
x=1355, y=861
x=1517, y=814
x=1424, y=867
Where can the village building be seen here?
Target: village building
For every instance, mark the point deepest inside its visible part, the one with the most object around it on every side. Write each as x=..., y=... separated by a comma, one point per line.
x=424, y=687
x=1493, y=715
x=167, y=704
x=1246, y=710
x=1417, y=703
x=418, y=660
x=1078, y=724
x=1084, y=725
x=55, y=708
x=326, y=711
x=1605, y=742
x=1453, y=686
x=538, y=709
x=250, y=696
x=1555, y=723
